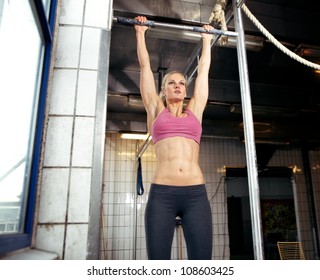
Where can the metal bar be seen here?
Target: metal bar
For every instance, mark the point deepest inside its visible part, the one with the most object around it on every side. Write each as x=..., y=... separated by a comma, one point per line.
x=196, y=53
x=252, y=169
x=310, y=196
x=40, y=15
x=144, y=146
x=13, y=168
x=240, y=2
x=296, y=206
x=151, y=23
x=190, y=61
x=135, y=220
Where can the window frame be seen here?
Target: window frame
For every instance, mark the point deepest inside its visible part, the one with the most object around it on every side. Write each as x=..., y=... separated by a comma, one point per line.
x=15, y=241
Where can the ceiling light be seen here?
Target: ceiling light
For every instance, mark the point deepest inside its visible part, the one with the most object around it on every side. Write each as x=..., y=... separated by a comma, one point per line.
x=134, y=136
x=135, y=101
x=261, y=127
x=270, y=142
x=266, y=110
x=308, y=51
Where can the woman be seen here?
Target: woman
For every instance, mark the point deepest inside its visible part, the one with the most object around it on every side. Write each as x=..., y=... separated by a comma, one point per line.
x=178, y=186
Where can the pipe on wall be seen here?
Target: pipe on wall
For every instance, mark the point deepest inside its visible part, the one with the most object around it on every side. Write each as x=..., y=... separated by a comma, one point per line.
x=311, y=198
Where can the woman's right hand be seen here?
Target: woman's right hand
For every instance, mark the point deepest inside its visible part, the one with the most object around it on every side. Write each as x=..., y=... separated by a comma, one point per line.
x=138, y=27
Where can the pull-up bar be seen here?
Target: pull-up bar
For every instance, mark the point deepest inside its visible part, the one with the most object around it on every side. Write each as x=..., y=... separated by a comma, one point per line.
x=151, y=23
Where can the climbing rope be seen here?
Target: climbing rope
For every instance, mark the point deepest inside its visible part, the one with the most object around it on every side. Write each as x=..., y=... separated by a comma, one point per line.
x=276, y=42
x=217, y=16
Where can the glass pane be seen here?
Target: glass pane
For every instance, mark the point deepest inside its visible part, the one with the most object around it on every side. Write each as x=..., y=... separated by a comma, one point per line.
x=20, y=56
x=46, y=5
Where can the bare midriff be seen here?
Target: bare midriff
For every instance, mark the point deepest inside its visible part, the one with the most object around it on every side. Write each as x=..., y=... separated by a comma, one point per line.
x=177, y=162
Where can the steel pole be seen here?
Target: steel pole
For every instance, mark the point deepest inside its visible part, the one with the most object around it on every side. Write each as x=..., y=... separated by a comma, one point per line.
x=252, y=169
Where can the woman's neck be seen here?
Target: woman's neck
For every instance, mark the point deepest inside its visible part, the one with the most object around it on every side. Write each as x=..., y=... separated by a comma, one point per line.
x=176, y=109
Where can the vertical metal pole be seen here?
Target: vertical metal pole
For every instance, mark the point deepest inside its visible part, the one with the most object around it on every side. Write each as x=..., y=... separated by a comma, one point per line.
x=94, y=226
x=310, y=195
x=135, y=210
x=249, y=136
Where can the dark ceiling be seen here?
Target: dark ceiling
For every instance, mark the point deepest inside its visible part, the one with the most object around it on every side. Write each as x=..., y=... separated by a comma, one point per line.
x=285, y=94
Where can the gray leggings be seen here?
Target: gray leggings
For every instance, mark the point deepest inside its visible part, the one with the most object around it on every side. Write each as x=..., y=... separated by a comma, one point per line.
x=191, y=204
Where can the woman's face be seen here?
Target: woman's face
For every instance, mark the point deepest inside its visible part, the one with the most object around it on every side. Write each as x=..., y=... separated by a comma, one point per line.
x=175, y=87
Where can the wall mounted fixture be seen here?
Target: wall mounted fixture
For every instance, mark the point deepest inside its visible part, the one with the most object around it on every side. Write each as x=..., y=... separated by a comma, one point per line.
x=308, y=51
x=134, y=136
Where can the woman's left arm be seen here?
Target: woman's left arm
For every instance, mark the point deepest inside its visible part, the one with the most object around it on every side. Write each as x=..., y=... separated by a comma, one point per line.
x=199, y=99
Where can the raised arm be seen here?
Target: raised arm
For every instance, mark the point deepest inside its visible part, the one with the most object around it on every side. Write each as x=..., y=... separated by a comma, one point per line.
x=149, y=94
x=199, y=99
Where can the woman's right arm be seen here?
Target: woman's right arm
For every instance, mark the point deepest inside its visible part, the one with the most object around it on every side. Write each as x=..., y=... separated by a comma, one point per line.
x=148, y=91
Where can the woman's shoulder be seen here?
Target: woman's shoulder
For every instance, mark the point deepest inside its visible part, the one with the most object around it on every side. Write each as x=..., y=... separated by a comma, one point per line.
x=160, y=108
x=195, y=110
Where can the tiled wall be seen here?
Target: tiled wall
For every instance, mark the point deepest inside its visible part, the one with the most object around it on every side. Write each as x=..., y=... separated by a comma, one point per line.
x=66, y=181
x=118, y=238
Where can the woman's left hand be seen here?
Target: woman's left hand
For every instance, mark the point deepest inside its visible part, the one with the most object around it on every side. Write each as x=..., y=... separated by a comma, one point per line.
x=207, y=27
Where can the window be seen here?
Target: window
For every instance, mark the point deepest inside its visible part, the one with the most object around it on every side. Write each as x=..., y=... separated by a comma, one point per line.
x=25, y=36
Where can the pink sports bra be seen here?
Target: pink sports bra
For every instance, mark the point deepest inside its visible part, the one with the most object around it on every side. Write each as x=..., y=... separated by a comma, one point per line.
x=167, y=125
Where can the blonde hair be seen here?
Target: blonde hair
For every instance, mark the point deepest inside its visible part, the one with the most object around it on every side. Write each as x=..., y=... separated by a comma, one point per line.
x=163, y=83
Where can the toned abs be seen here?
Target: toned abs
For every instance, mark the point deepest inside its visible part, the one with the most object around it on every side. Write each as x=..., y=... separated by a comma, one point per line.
x=177, y=162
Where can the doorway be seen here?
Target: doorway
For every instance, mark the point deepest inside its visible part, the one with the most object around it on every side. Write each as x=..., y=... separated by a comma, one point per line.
x=277, y=211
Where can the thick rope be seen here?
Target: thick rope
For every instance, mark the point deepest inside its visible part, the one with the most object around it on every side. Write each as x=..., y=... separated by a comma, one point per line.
x=218, y=16
x=276, y=42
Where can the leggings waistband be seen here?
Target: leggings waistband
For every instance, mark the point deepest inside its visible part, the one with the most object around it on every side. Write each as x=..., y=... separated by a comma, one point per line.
x=178, y=190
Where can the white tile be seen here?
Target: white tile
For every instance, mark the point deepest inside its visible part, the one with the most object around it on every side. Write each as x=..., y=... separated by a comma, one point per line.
x=63, y=92
x=97, y=13
x=71, y=12
x=86, y=94
x=79, y=196
x=68, y=47
x=53, y=195
x=90, y=48
x=127, y=254
x=76, y=242
x=50, y=238
x=58, y=141
x=83, y=142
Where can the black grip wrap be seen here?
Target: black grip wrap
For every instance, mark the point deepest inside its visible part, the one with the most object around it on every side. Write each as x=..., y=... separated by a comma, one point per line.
x=130, y=21
x=202, y=30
